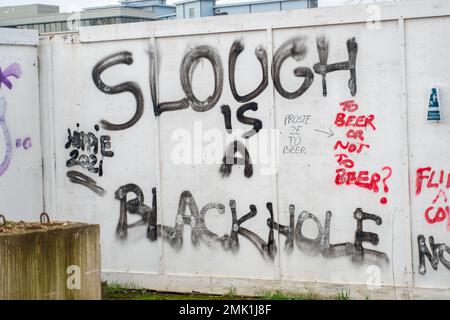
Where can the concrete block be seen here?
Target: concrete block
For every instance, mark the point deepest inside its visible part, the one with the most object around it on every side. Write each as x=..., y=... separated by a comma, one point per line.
x=55, y=263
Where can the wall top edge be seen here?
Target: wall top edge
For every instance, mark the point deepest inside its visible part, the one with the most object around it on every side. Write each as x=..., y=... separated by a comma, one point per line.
x=389, y=11
x=9, y=36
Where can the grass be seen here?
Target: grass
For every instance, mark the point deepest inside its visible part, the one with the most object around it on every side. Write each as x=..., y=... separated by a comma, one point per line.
x=283, y=295
x=130, y=291
x=343, y=294
x=118, y=291
x=116, y=288
x=232, y=292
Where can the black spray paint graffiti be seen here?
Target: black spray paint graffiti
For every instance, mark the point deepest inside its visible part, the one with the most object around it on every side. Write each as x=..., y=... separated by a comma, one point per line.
x=87, y=147
x=79, y=178
x=187, y=68
x=321, y=244
x=135, y=206
x=230, y=159
x=257, y=124
x=323, y=67
x=132, y=87
x=295, y=48
x=200, y=232
x=437, y=254
x=196, y=219
x=88, y=143
x=190, y=61
x=226, y=111
x=159, y=108
x=261, y=54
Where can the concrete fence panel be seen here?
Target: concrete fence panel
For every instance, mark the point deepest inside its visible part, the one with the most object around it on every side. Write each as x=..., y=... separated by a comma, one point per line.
x=21, y=192
x=297, y=149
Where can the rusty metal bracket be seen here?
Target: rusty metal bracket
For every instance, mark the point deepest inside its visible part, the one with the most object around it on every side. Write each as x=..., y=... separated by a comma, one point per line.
x=47, y=218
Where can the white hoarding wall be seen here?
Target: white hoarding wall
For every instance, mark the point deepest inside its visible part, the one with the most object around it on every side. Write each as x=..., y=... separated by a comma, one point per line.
x=268, y=150
x=20, y=139
x=428, y=153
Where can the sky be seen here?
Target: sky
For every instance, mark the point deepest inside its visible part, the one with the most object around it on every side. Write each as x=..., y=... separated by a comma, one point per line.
x=76, y=5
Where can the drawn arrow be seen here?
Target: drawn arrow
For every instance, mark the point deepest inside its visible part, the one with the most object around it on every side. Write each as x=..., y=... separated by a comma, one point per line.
x=441, y=193
x=330, y=134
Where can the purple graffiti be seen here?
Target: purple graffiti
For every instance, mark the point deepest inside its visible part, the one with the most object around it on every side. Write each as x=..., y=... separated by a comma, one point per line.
x=26, y=143
x=8, y=152
x=13, y=70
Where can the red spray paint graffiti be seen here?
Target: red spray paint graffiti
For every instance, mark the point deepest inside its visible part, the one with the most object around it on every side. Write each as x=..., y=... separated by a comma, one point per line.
x=356, y=126
x=433, y=179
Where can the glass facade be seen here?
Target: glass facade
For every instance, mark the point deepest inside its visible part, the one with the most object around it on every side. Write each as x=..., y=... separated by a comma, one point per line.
x=185, y=9
x=62, y=26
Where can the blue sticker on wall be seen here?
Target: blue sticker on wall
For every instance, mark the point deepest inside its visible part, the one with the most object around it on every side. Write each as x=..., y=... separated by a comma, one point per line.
x=434, y=107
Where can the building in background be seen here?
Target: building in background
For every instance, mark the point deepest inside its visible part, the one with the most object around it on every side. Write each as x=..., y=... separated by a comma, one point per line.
x=206, y=8
x=161, y=10
x=47, y=18
x=331, y=3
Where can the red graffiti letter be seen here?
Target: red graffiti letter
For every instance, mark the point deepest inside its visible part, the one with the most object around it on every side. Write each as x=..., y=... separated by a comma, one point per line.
x=420, y=177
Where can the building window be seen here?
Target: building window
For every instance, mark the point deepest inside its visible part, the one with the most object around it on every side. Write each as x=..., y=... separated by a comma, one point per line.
x=312, y=3
x=191, y=12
